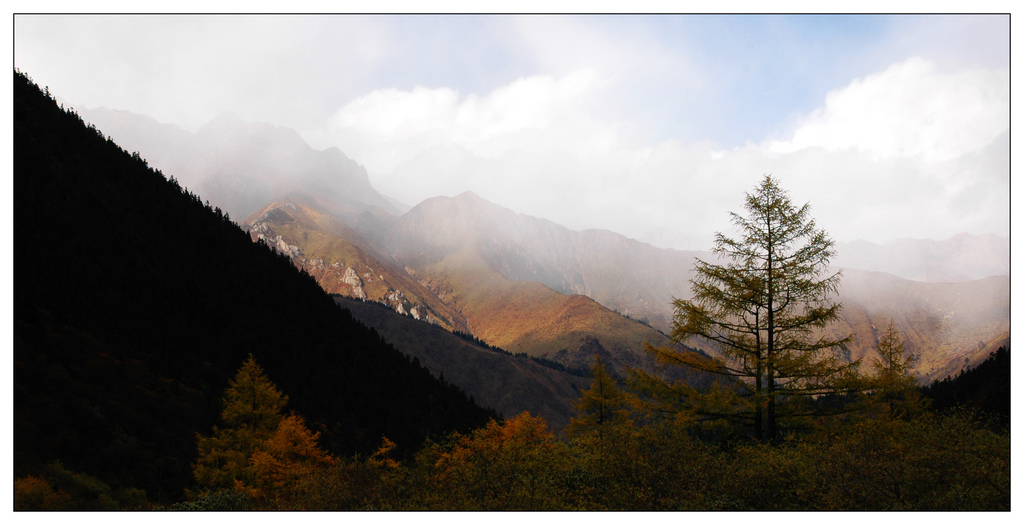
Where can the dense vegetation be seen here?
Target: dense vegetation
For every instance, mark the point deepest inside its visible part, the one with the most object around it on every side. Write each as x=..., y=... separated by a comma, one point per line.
x=984, y=388
x=134, y=303
x=160, y=357
x=616, y=455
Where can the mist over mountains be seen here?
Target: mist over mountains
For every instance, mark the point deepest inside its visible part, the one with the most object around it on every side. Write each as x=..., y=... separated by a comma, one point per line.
x=962, y=257
x=527, y=284
x=241, y=166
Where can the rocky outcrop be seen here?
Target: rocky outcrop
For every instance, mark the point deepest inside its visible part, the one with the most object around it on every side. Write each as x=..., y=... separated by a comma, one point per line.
x=352, y=279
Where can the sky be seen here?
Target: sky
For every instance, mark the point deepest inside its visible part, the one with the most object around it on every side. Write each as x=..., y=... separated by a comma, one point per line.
x=653, y=126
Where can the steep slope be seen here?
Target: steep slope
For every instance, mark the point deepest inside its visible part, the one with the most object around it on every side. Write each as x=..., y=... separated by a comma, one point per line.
x=630, y=277
x=984, y=386
x=447, y=250
x=510, y=384
x=134, y=304
x=465, y=294
x=241, y=166
x=343, y=263
x=495, y=267
x=490, y=260
x=946, y=325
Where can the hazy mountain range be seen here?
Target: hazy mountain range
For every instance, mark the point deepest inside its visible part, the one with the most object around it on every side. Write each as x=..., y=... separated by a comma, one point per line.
x=528, y=285
x=241, y=167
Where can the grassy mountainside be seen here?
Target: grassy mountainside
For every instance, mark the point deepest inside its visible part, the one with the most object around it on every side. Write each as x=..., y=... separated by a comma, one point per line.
x=945, y=325
x=489, y=256
x=528, y=317
x=498, y=269
x=524, y=316
x=134, y=304
x=630, y=277
x=510, y=384
x=397, y=260
x=461, y=291
x=342, y=262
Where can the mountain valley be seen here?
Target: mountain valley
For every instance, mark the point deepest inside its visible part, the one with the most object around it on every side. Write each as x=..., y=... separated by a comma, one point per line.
x=528, y=285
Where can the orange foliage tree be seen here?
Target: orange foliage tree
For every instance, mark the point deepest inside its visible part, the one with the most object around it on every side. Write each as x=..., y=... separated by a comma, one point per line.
x=258, y=451
x=504, y=466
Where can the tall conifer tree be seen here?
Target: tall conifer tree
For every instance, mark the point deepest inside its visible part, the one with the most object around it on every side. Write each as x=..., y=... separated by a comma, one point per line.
x=763, y=306
x=259, y=450
x=601, y=406
x=894, y=384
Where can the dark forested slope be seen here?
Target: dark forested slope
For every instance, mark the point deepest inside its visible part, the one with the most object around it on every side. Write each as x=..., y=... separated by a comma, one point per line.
x=984, y=388
x=134, y=304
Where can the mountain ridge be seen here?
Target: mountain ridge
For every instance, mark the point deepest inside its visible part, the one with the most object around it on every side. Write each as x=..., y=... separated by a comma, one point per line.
x=961, y=257
x=241, y=166
x=160, y=144
x=441, y=237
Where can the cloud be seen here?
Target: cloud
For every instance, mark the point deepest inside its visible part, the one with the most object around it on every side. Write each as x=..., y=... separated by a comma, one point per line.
x=910, y=151
x=526, y=105
x=910, y=110
x=625, y=123
x=187, y=69
x=538, y=117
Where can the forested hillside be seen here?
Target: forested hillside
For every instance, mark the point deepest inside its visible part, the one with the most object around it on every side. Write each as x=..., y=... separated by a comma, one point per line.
x=985, y=388
x=134, y=303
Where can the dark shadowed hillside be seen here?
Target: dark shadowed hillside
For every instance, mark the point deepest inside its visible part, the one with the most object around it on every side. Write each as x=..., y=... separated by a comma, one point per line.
x=134, y=304
x=985, y=388
x=510, y=384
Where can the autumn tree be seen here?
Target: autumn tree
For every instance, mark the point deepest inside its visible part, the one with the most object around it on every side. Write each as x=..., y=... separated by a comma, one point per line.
x=763, y=305
x=893, y=383
x=511, y=465
x=259, y=451
x=601, y=406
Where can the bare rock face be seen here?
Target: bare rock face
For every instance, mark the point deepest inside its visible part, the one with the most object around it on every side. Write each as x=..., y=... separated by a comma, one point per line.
x=288, y=249
x=352, y=279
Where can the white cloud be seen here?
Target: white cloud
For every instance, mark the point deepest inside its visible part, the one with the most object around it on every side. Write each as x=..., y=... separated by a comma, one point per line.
x=528, y=104
x=392, y=130
x=907, y=152
x=591, y=121
x=909, y=110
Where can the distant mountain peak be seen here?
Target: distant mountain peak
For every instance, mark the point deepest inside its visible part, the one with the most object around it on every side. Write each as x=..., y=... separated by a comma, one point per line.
x=227, y=119
x=962, y=257
x=240, y=166
x=469, y=195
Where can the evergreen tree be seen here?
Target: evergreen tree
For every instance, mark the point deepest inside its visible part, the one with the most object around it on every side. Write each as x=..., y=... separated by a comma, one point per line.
x=252, y=400
x=604, y=404
x=259, y=451
x=893, y=383
x=764, y=309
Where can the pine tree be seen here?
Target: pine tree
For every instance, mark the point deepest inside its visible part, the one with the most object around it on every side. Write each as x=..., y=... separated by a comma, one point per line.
x=258, y=451
x=603, y=405
x=764, y=310
x=893, y=383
